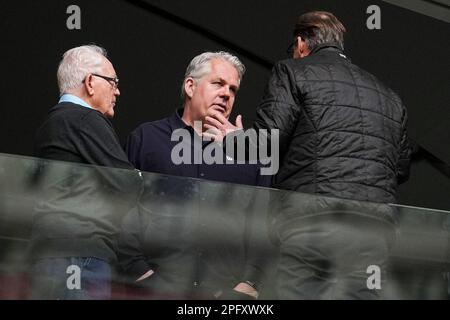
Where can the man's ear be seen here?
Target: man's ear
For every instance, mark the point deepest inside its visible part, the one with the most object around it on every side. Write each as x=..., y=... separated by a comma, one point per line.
x=88, y=85
x=302, y=48
x=189, y=87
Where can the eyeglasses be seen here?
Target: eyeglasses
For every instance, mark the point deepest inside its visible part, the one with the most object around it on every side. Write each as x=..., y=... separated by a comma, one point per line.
x=113, y=81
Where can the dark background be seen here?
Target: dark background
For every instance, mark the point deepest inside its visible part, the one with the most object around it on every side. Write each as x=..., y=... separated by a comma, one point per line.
x=151, y=42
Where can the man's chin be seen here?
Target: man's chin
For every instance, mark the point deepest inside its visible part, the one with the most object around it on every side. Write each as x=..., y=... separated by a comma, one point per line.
x=222, y=112
x=219, y=108
x=110, y=113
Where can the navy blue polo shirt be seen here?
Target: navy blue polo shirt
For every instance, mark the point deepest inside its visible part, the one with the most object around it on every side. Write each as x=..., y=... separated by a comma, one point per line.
x=149, y=148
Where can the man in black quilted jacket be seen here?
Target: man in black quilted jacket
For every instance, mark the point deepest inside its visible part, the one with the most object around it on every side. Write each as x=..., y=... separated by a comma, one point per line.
x=342, y=132
x=342, y=135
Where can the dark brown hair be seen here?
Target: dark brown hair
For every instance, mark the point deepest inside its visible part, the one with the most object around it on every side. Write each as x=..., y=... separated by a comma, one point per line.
x=319, y=27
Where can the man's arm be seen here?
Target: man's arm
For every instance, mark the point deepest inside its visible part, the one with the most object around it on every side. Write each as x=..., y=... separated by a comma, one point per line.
x=259, y=250
x=133, y=148
x=280, y=107
x=99, y=145
x=132, y=259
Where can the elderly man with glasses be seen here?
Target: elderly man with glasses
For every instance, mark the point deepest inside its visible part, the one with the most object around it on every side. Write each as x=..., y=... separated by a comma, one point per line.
x=74, y=225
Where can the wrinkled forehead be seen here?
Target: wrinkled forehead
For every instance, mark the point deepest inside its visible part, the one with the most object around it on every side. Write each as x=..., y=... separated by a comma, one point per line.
x=223, y=69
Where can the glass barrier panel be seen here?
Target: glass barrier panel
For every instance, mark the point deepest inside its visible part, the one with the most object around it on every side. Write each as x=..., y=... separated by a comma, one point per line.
x=73, y=231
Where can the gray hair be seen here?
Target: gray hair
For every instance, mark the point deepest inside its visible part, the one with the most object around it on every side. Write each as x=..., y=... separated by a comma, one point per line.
x=77, y=63
x=200, y=65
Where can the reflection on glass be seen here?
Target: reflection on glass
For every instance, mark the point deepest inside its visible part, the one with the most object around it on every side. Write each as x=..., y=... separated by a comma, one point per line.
x=191, y=239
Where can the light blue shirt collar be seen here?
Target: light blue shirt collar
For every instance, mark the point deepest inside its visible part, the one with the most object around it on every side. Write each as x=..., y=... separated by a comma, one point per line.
x=74, y=99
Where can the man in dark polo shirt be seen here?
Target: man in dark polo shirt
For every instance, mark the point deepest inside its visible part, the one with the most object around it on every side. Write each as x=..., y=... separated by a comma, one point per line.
x=180, y=219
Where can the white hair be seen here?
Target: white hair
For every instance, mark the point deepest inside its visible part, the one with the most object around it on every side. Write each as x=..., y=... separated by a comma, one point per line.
x=200, y=65
x=77, y=63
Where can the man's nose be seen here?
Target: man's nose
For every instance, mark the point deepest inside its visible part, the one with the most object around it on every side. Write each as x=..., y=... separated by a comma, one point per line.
x=117, y=92
x=225, y=92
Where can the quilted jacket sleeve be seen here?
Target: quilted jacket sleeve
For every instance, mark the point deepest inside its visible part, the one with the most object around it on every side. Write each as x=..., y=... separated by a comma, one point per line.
x=279, y=108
